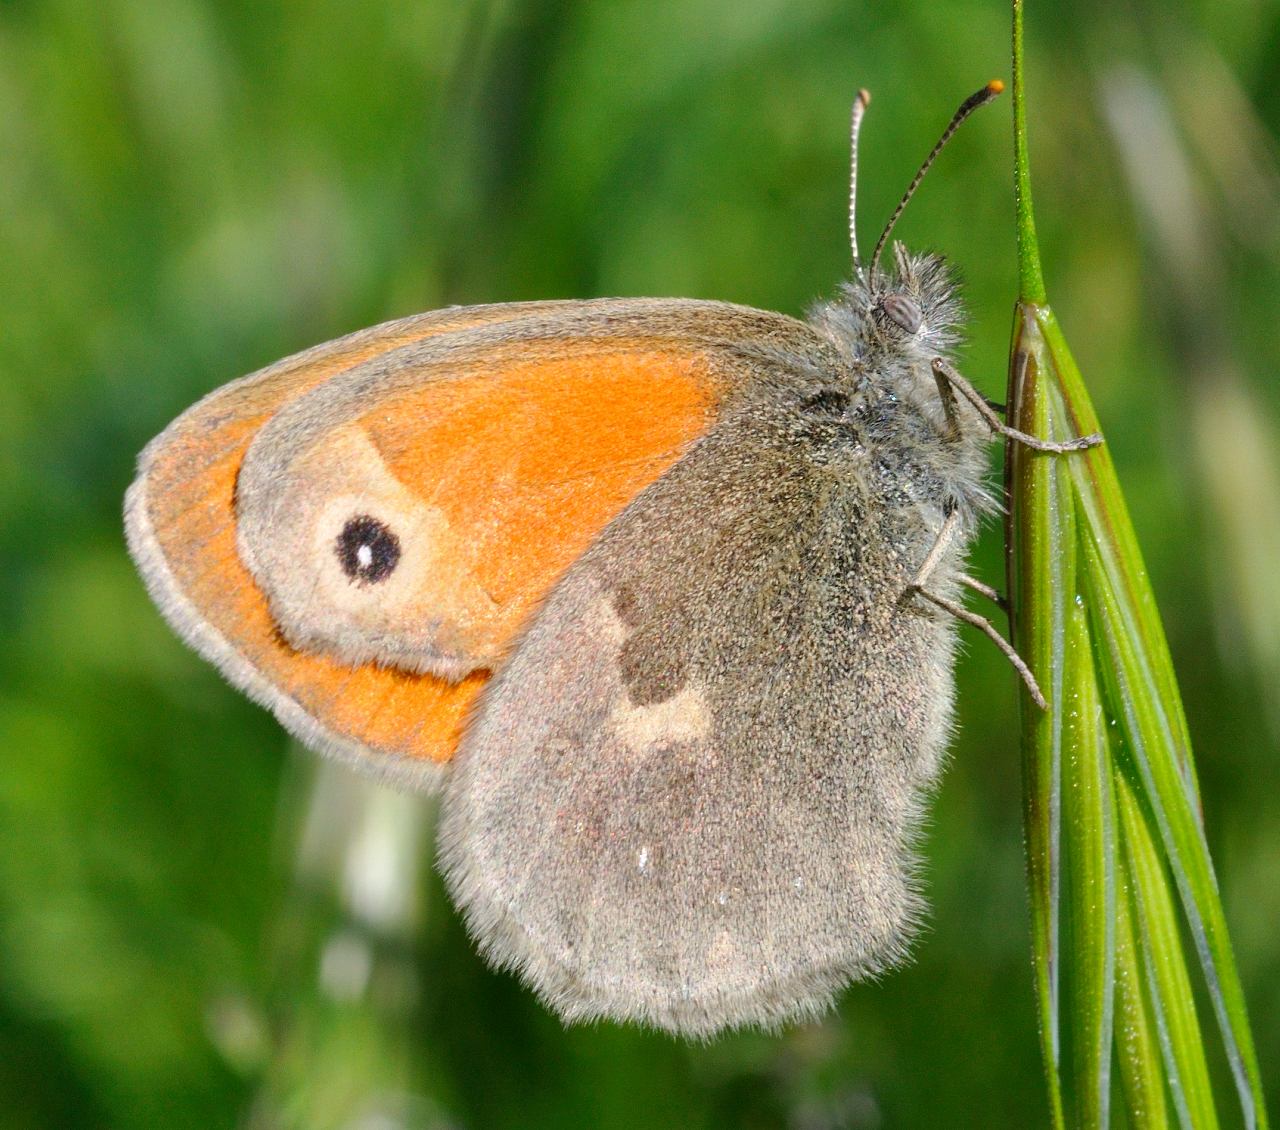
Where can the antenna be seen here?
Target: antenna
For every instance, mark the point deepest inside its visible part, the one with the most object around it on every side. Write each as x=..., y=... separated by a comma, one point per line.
x=860, y=104
x=967, y=107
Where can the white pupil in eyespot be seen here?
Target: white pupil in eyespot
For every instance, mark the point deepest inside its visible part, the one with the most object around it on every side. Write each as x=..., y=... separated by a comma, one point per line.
x=367, y=550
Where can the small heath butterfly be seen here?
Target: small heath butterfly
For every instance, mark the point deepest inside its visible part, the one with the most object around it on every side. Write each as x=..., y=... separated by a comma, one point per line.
x=660, y=593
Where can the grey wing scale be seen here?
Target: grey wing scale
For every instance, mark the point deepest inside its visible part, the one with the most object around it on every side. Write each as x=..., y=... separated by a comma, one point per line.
x=690, y=797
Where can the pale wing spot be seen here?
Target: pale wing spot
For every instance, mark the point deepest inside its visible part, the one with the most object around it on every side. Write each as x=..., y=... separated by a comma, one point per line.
x=426, y=611
x=431, y=583
x=642, y=859
x=611, y=625
x=684, y=717
x=722, y=954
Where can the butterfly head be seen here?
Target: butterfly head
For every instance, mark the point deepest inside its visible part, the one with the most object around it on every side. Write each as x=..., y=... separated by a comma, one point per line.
x=889, y=319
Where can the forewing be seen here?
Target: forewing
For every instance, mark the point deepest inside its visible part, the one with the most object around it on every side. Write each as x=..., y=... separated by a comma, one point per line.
x=689, y=798
x=484, y=448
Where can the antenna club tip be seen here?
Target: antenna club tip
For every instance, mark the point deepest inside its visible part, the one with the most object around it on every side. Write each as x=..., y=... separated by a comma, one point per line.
x=864, y=97
x=995, y=86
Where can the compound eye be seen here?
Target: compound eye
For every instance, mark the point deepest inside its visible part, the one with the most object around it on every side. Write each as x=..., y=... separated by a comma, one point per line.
x=367, y=550
x=903, y=312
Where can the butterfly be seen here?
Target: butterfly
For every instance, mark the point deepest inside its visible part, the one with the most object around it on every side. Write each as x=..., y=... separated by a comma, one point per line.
x=659, y=593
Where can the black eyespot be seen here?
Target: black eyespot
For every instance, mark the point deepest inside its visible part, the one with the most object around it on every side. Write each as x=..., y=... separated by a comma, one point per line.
x=903, y=311
x=827, y=402
x=367, y=550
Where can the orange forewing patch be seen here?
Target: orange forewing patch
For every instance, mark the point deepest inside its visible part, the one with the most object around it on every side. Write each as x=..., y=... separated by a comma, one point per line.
x=530, y=462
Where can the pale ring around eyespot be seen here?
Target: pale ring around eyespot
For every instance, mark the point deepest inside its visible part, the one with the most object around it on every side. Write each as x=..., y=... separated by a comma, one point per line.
x=410, y=774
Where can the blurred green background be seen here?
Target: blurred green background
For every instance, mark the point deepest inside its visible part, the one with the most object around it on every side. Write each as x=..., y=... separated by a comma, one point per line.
x=198, y=926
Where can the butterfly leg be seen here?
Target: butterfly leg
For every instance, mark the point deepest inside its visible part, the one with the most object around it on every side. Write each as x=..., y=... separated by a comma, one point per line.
x=984, y=625
x=917, y=588
x=950, y=381
x=947, y=394
x=945, y=535
x=996, y=598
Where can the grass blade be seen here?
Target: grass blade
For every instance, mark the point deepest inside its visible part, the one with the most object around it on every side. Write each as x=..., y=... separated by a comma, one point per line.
x=1084, y=617
x=1138, y=1042
x=1089, y=850
x=1161, y=962
x=1042, y=577
x=1142, y=696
